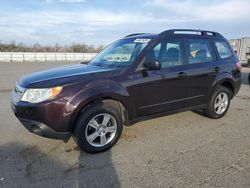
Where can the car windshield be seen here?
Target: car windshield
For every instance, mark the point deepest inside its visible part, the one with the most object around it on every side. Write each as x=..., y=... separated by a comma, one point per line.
x=120, y=53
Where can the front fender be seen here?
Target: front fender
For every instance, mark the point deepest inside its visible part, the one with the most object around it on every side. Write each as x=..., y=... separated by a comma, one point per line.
x=91, y=94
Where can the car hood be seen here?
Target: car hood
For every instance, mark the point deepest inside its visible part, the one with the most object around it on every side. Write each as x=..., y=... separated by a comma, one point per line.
x=61, y=75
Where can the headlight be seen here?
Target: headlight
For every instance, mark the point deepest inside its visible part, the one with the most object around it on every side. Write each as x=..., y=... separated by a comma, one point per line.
x=39, y=95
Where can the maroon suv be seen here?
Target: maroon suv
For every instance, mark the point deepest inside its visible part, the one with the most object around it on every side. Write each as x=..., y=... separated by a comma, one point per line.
x=135, y=78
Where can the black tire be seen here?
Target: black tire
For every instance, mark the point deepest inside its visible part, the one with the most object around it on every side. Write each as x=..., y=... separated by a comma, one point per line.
x=210, y=109
x=83, y=120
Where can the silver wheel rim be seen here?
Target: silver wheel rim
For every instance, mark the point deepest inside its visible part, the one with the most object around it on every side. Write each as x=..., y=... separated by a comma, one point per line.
x=101, y=130
x=221, y=103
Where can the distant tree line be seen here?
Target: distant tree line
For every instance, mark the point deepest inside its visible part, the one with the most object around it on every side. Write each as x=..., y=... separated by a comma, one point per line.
x=73, y=48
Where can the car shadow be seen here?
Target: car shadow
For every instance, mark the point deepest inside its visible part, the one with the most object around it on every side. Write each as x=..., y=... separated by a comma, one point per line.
x=33, y=166
x=98, y=170
x=199, y=112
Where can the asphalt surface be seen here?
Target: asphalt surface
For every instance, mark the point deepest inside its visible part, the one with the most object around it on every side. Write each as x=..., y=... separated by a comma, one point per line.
x=181, y=150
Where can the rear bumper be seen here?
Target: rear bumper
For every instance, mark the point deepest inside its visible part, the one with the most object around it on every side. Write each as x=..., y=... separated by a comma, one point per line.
x=237, y=85
x=43, y=130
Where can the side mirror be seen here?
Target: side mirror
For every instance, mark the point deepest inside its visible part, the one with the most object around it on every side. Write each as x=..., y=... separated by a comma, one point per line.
x=152, y=64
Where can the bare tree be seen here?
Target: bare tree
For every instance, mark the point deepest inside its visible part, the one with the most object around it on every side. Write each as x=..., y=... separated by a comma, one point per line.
x=75, y=47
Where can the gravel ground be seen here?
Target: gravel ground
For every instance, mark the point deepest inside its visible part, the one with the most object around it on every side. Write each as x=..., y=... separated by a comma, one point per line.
x=181, y=150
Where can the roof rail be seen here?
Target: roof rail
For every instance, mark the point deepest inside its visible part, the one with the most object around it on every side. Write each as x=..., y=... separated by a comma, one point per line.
x=189, y=31
x=134, y=34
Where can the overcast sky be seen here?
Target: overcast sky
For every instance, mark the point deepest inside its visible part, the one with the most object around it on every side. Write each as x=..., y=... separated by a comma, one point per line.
x=102, y=21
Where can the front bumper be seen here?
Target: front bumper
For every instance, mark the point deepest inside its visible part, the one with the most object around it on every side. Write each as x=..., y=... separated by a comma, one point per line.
x=48, y=119
x=43, y=130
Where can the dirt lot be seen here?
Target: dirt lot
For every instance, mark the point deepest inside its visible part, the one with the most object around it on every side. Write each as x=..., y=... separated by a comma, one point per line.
x=181, y=150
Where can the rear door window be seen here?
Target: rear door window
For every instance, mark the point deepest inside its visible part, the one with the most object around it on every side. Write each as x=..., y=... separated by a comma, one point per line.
x=223, y=49
x=199, y=51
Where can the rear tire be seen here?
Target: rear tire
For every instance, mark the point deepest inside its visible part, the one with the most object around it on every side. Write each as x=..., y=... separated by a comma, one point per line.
x=98, y=128
x=219, y=103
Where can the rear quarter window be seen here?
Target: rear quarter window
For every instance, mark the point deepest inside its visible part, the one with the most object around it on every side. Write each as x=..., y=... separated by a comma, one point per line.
x=223, y=49
x=199, y=51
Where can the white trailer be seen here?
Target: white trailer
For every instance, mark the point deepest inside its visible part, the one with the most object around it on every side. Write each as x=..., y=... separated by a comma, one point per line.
x=242, y=49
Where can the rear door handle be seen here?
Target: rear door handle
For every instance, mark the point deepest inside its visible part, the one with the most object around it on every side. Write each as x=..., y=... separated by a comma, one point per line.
x=182, y=75
x=216, y=69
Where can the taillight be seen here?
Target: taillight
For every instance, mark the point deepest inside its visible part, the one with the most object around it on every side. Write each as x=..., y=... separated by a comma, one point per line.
x=238, y=64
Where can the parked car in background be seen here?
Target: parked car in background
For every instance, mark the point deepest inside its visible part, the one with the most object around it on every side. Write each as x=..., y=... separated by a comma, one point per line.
x=138, y=77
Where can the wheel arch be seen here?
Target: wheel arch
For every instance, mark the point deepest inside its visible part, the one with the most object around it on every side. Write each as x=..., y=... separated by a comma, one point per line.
x=115, y=100
x=226, y=80
x=229, y=85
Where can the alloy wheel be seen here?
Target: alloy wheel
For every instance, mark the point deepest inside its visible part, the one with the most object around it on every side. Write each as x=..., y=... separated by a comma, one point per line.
x=101, y=130
x=221, y=103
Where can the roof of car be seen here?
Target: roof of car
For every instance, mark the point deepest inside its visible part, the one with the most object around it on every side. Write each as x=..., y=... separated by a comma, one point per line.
x=174, y=32
x=142, y=35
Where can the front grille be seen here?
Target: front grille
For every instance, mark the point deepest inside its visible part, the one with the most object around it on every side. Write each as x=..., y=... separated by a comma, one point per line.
x=17, y=93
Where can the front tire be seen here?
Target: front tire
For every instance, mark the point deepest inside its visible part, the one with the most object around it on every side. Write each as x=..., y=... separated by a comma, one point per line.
x=219, y=103
x=98, y=128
